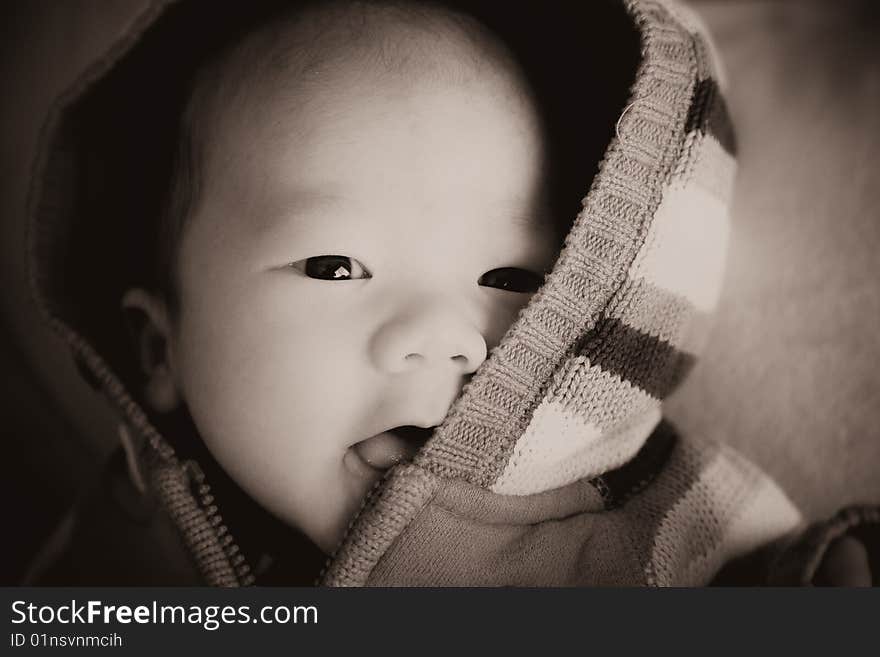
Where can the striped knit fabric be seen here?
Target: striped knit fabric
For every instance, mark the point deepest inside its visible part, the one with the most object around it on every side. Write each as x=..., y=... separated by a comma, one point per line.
x=574, y=390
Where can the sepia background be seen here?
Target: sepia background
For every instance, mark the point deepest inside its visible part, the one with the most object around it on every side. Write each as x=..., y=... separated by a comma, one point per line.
x=790, y=375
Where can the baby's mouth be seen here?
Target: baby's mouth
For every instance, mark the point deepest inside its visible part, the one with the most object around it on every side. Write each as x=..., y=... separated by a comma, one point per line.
x=393, y=446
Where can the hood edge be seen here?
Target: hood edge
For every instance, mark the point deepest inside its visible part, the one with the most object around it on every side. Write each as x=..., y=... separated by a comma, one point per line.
x=212, y=548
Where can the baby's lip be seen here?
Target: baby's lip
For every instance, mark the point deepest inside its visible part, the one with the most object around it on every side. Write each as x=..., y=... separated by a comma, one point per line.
x=393, y=446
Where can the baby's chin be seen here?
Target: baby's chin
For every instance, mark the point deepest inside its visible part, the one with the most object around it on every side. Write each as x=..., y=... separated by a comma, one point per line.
x=363, y=466
x=328, y=532
x=326, y=524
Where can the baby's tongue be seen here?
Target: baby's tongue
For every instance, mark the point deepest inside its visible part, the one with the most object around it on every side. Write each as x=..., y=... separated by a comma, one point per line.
x=390, y=447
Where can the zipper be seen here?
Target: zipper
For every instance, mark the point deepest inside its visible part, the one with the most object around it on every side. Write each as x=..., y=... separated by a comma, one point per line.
x=201, y=490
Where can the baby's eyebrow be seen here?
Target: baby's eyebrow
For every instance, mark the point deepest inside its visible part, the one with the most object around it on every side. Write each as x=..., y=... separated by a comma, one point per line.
x=299, y=204
x=304, y=203
x=523, y=216
x=304, y=200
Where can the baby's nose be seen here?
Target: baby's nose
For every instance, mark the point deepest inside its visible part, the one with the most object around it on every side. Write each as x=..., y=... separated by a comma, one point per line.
x=428, y=335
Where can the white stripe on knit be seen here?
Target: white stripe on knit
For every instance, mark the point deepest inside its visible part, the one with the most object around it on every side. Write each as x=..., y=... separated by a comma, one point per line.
x=705, y=163
x=768, y=516
x=731, y=509
x=685, y=248
x=560, y=447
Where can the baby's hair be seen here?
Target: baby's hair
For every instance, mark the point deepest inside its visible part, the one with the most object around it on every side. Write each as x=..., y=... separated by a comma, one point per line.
x=250, y=65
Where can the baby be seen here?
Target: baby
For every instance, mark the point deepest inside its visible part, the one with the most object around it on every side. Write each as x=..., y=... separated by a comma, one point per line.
x=371, y=212
x=356, y=332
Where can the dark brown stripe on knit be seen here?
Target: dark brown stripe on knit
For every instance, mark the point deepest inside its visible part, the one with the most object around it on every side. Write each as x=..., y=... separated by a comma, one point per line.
x=620, y=484
x=648, y=362
x=708, y=114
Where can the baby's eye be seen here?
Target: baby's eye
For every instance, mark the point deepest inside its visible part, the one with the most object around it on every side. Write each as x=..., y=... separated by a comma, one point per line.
x=512, y=280
x=331, y=268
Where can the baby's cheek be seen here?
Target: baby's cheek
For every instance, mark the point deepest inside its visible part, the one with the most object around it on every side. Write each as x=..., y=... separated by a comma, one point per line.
x=268, y=363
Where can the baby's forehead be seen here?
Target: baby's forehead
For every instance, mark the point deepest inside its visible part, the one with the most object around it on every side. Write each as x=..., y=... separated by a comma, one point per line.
x=299, y=53
x=305, y=82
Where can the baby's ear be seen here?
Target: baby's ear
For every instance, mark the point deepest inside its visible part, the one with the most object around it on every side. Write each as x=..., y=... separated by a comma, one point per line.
x=149, y=327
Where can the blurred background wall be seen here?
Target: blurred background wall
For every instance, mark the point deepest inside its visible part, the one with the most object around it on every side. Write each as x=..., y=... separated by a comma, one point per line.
x=790, y=375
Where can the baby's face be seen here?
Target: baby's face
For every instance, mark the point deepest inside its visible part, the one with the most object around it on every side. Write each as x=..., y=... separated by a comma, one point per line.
x=351, y=261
